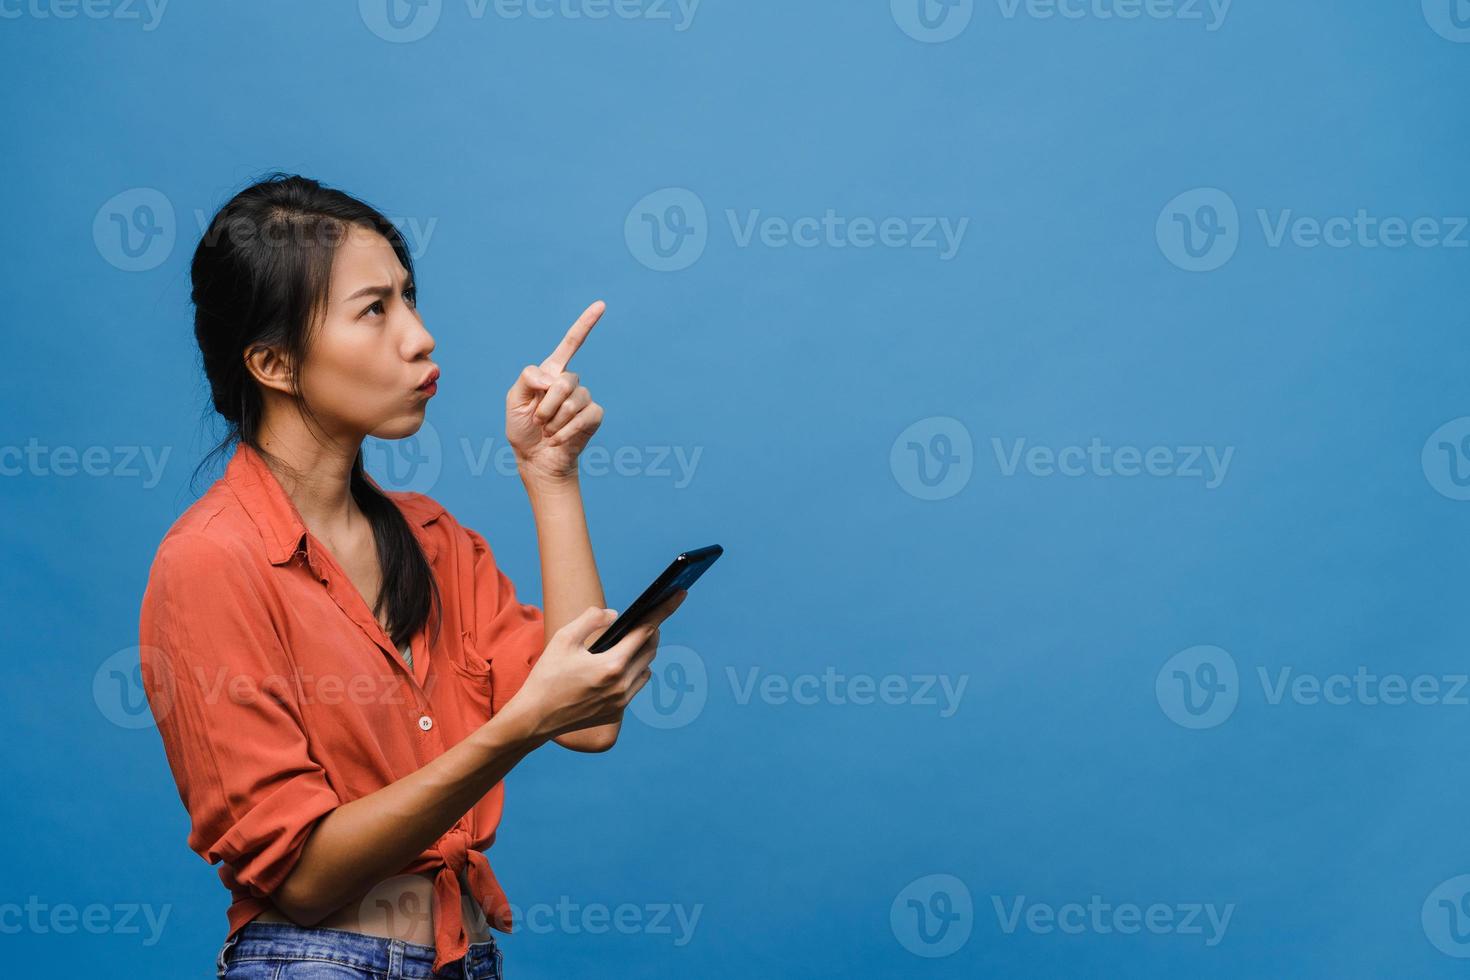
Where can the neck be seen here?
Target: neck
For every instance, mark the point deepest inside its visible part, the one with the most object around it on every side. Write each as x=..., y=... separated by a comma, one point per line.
x=315, y=473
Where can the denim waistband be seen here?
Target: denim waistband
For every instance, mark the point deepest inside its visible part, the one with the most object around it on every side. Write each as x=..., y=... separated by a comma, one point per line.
x=395, y=959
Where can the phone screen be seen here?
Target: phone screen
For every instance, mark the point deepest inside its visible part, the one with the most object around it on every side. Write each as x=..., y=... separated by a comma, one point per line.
x=682, y=572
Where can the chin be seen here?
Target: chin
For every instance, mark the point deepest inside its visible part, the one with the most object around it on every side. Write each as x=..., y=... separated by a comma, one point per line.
x=400, y=427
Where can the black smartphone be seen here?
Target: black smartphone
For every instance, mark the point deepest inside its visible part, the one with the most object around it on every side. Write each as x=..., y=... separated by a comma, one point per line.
x=682, y=572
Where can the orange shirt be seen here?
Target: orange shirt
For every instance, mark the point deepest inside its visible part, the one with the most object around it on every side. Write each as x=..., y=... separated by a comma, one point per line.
x=279, y=696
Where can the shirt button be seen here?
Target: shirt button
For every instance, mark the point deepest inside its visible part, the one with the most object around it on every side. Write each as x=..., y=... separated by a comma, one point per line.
x=425, y=722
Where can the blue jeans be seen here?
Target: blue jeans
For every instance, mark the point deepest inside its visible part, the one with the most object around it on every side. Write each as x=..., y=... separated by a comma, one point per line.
x=281, y=951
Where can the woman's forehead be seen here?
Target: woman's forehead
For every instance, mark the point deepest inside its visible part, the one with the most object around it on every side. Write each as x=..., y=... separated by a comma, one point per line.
x=364, y=259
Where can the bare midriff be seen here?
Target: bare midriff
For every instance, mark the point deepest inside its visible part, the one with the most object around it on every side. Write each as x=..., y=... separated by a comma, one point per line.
x=398, y=908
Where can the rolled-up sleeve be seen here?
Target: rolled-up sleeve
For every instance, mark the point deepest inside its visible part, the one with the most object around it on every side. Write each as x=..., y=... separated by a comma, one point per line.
x=509, y=634
x=224, y=696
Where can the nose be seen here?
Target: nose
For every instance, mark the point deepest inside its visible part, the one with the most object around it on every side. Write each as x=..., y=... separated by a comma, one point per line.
x=419, y=342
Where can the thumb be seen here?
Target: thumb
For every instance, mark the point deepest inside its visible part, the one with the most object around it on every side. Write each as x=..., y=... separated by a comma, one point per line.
x=592, y=618
x=529, y=383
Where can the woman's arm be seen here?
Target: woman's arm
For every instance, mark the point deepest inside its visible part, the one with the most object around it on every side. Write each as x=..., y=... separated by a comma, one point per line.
x=549, y=417
x=362, y=842
x=371, y=838
x=569, y=578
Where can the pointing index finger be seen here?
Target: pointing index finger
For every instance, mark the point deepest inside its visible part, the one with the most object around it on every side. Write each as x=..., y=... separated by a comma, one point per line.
x=557, y=362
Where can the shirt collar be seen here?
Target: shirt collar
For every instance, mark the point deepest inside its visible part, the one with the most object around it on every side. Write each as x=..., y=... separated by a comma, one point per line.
x=280, y=523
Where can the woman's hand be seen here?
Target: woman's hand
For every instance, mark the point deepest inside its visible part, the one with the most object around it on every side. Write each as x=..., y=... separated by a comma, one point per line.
x=549, y=416
x=570, y=689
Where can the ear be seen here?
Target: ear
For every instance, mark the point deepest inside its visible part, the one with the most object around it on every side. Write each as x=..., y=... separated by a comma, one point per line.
x=269, y=368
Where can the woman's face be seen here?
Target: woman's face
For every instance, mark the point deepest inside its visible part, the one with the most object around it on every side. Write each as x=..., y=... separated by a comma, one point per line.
x=370, y=354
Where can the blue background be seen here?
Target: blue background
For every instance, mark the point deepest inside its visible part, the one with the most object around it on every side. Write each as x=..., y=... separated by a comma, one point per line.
x=796, y=828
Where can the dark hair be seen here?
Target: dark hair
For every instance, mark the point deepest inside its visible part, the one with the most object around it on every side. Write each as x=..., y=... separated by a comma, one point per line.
x=261, y=275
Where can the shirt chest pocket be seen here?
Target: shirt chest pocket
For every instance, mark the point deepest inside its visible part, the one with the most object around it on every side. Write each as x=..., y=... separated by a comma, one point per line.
x=472, y=673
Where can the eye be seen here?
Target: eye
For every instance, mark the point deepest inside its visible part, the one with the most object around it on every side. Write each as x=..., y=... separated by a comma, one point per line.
x=411, y=295
x=375, y=307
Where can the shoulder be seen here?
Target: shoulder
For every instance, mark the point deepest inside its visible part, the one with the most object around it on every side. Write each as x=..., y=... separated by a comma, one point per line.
x=435, y=523
x=213, y=533
x=205, y=578
x=418, y=508
x=194, y=562
x=432, y=522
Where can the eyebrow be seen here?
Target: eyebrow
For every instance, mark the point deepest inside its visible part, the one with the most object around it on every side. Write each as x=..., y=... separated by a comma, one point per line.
x=377, y=290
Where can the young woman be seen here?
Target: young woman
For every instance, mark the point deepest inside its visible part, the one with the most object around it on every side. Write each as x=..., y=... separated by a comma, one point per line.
x=341, y=675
